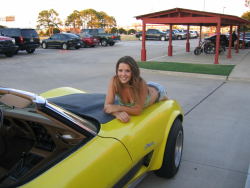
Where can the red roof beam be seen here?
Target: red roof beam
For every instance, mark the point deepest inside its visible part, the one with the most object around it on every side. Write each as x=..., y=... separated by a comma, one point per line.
x=181, y=20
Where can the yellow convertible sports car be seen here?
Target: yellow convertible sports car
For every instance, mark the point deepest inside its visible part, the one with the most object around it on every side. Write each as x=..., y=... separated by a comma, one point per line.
x=62, y=138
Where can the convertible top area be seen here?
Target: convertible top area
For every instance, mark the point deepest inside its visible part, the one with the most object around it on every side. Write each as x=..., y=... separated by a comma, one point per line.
x=85, y=105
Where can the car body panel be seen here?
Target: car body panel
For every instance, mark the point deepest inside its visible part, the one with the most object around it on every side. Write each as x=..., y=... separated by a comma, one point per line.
x=146, y=132
x=60, y=92
x=88, y=158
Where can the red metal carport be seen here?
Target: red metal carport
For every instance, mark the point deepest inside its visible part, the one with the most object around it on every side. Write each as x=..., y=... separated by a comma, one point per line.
x=180, y=16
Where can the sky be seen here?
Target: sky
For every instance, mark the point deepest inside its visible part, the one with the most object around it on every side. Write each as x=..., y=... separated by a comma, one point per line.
x=26, y=11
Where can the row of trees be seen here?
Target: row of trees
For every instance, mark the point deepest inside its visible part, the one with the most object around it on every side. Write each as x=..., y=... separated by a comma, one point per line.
x=88, y=18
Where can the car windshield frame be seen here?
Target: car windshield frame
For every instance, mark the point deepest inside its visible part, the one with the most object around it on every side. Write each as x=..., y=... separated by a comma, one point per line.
x=53, y=112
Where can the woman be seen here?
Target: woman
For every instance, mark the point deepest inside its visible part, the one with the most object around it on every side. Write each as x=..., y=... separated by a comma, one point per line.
x=131, y=90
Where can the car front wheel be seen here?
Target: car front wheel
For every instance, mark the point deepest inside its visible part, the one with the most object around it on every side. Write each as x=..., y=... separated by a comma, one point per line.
x=64, y=46
x=163, y=38
x=173, y=151
x=179, y=37
x=44, y=45
x=104, y=42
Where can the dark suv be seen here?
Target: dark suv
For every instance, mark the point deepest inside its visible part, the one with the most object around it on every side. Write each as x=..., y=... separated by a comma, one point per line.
x=7, y=46
x=26, y=39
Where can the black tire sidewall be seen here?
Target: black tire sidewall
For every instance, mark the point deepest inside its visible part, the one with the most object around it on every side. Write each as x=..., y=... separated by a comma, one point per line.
x=168, y=168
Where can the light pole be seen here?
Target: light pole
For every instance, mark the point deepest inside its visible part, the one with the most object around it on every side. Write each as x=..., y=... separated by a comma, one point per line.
x=224, y=9
x=204, y=4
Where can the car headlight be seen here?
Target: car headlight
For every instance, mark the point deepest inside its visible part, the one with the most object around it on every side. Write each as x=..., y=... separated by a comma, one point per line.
x=13, y=40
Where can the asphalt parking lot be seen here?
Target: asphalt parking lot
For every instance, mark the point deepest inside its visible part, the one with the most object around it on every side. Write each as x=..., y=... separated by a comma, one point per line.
x=216, y=126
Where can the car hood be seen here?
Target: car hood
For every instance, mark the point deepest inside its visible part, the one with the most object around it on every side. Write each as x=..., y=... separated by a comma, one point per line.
x=5, y=38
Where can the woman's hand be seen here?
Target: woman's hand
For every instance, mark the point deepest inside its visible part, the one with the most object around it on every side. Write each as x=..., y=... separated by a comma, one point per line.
x=122, y=116
x=111, y=108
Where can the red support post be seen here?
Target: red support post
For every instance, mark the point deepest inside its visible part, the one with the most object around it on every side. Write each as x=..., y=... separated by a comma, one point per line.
x=216, y=57
x=188, y=43
x=238, y=40
x=229, y=53
x=170, y=47
x=143, y=50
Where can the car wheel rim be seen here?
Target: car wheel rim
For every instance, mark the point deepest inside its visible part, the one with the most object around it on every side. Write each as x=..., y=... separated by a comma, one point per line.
x=64, y=46
x=178, y=148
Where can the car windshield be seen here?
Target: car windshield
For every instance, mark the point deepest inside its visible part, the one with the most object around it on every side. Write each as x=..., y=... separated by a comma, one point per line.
x=25, y=106
x=69, y=35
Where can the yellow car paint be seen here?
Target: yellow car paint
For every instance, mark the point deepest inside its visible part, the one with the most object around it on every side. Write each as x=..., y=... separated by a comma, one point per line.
x=98, y=171
x=60, y=92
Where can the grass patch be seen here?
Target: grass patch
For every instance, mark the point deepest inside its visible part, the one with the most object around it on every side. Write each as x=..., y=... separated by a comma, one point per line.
x=223, y=70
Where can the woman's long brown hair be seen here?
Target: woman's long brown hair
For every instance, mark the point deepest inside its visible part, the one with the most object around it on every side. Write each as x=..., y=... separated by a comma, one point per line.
x=136, y=81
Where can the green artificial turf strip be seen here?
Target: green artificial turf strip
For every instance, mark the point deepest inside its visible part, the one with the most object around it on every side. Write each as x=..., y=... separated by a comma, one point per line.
x=224, y=70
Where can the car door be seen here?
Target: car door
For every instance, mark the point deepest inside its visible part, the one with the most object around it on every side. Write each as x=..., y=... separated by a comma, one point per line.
x=102, y=162
x=52, y=40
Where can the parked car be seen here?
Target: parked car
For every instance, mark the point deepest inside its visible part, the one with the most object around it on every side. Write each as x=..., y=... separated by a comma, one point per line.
x=153, y=34
x=88, y=40
x=104, y=38
x=25, y=39
x=177, y=34
x=7, y=46
x=67, y=140
x=193, y=34
x=247, y=40
x=63, y=41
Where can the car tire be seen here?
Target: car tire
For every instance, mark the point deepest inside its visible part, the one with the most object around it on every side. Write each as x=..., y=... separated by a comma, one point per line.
x=173, y=151
x=44, y=45
x=104, y=42
x=30, y=51
x=77, y=47
x=163, y=38
x=179, y=37
x=112, y=43
x=65, y=46
x=197, y=51
x=9, y=54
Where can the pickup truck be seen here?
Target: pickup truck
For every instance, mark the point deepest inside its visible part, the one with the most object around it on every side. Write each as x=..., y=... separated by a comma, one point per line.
x=153, y=34
x=104, y=38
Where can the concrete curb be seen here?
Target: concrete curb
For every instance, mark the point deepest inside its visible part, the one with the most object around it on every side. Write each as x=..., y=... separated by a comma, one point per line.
x=239, y=79
x=196, y=75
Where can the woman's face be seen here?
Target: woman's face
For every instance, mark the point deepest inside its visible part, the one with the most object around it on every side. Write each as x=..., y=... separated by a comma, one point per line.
x=124, y=73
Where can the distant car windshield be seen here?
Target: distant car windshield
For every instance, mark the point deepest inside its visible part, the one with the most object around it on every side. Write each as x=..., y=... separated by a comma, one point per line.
x=69, y=35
